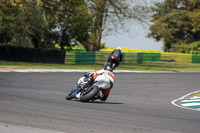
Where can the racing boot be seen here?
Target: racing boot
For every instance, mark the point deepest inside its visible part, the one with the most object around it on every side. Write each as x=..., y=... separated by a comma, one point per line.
x=100, y=96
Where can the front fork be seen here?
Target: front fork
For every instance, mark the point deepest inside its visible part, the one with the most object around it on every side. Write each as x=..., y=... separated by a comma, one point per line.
x=75, y=91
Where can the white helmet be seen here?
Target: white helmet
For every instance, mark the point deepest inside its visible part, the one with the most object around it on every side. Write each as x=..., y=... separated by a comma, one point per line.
x=119, y=48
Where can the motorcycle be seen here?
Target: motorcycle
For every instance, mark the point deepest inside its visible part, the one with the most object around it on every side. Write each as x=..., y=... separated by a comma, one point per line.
x=99, y=88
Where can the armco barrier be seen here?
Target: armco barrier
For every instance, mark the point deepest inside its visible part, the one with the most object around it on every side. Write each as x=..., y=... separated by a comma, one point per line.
x=195, y=58
x=70, y=57
x=129, y=58
x=178, y=58
x=85, y=57
x=140, y=58
x=19, y=54
x=101, y=57
x=90, y=58
x=11, y=53
x=151, y=57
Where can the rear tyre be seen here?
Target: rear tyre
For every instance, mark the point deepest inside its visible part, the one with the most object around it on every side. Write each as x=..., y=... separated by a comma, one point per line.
x=89, y=93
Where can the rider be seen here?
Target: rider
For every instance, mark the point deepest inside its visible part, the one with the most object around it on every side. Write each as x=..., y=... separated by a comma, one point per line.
x=112, y=62
x=90, y=78
x=114, y=59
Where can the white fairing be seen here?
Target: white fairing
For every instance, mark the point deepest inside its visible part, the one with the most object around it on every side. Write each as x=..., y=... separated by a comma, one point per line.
x=81, y=80
x=105, y=80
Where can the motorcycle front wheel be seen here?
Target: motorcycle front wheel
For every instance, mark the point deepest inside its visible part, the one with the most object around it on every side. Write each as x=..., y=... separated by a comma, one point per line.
x=88, y=94
x=69, y=95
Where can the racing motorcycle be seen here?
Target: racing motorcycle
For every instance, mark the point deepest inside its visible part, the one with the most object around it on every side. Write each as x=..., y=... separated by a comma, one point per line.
x=98, y=87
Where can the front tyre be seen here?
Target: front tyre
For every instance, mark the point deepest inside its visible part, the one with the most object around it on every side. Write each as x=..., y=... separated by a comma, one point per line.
x=89, y=93
x=69, y=96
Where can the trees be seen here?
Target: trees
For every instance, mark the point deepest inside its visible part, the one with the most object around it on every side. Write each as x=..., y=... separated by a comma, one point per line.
x=74, y=22
x=5, y=31
x=111, y=14
x=175, y=22
x=42, y=23
x=23, y=24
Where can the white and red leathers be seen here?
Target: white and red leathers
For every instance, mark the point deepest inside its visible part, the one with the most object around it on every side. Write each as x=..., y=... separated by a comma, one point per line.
x=105, y=80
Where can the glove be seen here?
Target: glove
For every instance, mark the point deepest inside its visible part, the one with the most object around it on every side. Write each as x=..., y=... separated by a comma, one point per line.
x=89, y=78
x=86, y=74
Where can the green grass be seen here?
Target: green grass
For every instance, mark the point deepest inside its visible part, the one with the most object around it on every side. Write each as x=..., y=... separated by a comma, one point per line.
x=197, y=94
x=150, y=66
x=162, y=67
x=23, y=65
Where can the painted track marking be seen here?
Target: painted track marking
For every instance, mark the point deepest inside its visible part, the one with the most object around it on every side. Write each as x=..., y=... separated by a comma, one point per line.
x=192, y=103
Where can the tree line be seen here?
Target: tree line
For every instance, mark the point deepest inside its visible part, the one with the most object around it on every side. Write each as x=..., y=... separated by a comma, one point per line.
x=44, y=23
x=177, y=24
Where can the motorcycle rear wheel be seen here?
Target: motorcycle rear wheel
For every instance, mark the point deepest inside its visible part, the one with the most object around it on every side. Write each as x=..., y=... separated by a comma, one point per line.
x=89, y=93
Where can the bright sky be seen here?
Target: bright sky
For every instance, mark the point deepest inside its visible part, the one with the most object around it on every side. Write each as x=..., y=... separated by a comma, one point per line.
x=136, y=39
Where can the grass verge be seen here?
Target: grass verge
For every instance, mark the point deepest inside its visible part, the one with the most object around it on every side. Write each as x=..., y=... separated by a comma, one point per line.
x=197, y=94
x=150, y=66
x=162, y=67
x=23, y=65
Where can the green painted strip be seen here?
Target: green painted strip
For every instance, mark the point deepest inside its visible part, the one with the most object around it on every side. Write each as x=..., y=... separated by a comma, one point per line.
x=151, y=56
x=140, y=58
x=190, y=102
x=85, y=57
x=195, y=58
x=194, y=107
x=123, y=58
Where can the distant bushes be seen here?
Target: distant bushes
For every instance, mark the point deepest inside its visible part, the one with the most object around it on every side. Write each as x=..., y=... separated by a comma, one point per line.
x=193, y=48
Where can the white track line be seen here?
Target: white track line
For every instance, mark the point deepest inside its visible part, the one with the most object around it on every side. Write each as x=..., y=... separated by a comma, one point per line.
x=190, y=104
x=182, y=98
x=191, y=100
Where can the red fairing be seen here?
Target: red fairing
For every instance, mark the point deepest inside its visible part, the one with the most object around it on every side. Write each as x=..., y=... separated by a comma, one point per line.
x=95, y=76
x=106, y=93
x=111, y=75
x=95, y=70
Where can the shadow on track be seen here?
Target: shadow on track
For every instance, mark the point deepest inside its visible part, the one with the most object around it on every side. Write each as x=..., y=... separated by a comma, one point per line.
x=101, y=102
x=98, y=102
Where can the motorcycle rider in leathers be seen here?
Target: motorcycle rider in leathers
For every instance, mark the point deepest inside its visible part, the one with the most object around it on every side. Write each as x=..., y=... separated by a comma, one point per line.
x=112, y=62
x=114, y=59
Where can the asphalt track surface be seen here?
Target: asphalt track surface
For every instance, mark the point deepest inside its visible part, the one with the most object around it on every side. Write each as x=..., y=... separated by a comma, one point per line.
x=138, y=103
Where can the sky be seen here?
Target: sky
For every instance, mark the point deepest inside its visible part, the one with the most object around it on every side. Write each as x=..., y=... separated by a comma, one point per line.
x=136, y=39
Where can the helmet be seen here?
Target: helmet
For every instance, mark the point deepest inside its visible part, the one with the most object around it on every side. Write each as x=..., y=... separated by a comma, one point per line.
x=119, y=48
